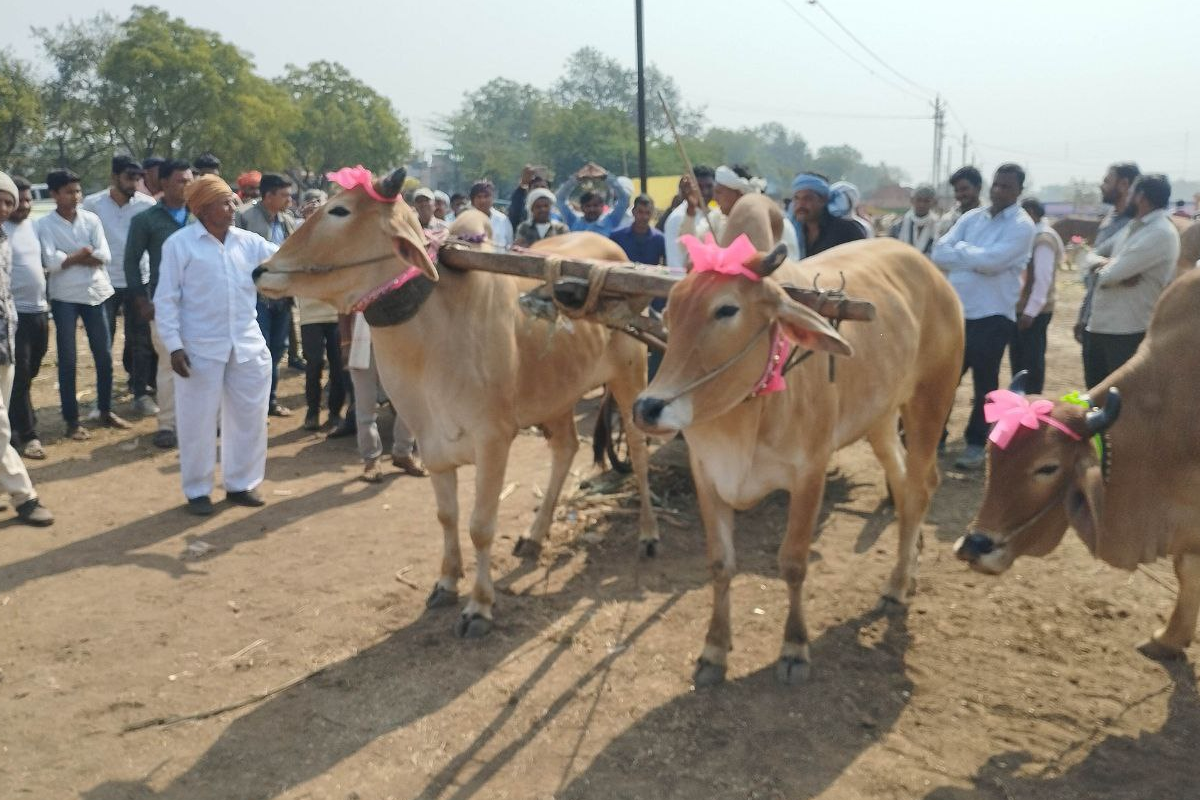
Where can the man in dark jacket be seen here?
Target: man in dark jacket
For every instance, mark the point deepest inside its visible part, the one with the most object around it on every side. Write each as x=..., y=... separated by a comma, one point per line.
x=147, y=232
x=816, y=229
x=269, y=218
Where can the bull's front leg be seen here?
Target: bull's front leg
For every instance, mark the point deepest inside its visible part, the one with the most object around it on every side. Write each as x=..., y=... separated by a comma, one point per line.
x=490, y=464
x=722, y=563
x=1170, y=641
x=445, y=490
x=793, y=666
x=563, y=439
x=625, y=389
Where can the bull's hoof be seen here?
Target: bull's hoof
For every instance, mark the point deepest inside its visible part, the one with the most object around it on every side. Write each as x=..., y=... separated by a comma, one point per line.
x=1159, y=651
x=472, y=626
x=708, y=674
x=527, y=548
x=791, y=670
x=441, y=597
x=648, y=548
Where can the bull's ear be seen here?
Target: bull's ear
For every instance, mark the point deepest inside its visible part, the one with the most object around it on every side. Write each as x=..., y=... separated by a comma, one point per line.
x=1085, y=501
x=808, y=329
x=769, y=262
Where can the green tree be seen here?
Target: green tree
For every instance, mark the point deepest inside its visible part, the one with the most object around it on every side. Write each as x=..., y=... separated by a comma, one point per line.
x=342, y=121
x=21, y=121
x=491, y=133
x=596, y=79
x=567, y=137
x=770, y=151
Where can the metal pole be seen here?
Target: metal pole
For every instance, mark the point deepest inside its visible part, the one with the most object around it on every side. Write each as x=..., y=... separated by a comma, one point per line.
x=641, y=96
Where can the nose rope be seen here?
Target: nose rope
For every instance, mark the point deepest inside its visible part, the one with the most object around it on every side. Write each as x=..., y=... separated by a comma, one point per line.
x=703, y=379
x=320, y=269
x=1029, y=523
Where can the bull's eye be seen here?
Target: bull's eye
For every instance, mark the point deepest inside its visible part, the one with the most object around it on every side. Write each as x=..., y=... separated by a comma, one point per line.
x=1046, y=469
x=340, y=211
x=724, y=312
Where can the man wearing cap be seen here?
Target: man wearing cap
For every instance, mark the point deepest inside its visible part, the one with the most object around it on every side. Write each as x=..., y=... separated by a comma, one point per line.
x=14, y=478
x=75, y=254
x=33, y=321
x=483, y=195
x=116, y=207
x=817, y=229
x=423, y=204
x=269, y=218
x=441, y=207
x=919, y=225
x=148, y=231
x=247, y=184
x=206, y=308
x=539, y=225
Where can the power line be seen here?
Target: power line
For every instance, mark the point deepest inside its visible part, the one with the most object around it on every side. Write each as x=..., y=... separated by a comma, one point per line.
x=805, y=113
x=851, y=56
x=925, y=90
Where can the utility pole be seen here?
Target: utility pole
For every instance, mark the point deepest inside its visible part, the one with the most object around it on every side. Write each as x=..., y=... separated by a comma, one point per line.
x=939, y=133
x=964, y=150
x=641, y=96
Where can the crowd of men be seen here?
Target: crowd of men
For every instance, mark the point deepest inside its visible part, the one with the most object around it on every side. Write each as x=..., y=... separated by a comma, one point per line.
x=169, y=247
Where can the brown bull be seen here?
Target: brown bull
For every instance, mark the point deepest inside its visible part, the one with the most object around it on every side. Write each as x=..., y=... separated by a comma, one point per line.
x=1139, y=500
x=906, y=366
x=469, y=369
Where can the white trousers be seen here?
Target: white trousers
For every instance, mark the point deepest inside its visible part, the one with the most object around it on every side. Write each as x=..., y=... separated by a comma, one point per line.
x=235, y=396
x=165, y=381
x=367, y=393
x=14, y=478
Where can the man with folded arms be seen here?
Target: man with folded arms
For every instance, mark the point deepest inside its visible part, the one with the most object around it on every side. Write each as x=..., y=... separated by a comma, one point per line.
x=205, y=306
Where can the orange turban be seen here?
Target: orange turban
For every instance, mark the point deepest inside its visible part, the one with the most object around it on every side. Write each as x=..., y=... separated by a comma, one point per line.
x=248, y=179
x=204, y=190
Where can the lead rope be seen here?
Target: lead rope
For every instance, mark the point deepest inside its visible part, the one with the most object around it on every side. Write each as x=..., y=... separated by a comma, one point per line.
x=703, y=379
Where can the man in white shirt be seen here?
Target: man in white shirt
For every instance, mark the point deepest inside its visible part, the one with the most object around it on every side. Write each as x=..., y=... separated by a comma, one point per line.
x=33, y=321
x=1036, y=304
x=919, y=225
x=1130, y=282
x=483, y=194
x=206, y=310
x=677, y=258
x=14, y=478
x=116, y=207
x=984, y=255
x=75, y=254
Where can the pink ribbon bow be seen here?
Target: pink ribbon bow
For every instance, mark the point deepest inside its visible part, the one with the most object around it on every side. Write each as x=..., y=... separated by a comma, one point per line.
x=1011, y=411
x=349, y=177
x=711, y=257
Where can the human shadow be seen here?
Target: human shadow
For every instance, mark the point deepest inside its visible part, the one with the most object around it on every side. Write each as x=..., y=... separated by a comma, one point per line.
x=753, y=737
x=1153, y=765
x=119, y=546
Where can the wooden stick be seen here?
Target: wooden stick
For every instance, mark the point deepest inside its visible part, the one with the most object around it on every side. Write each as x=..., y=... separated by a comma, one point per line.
x=623, y=278
x=687, y=162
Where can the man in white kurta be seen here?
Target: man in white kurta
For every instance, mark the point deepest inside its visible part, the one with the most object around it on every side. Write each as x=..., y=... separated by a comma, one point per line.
x=205, y=307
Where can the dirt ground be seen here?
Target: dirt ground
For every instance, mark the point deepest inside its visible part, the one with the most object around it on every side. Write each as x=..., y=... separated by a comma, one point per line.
x=1026, y=686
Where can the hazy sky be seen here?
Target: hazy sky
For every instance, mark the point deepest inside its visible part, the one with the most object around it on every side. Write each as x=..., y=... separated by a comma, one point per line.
x=1063, y=87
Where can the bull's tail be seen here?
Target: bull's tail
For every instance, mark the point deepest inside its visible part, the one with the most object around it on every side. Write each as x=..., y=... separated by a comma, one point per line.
x=601, y=432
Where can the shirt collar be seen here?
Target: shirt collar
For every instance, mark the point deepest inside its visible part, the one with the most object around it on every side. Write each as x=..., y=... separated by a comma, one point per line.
x=1007, y=213
x=1156, y=214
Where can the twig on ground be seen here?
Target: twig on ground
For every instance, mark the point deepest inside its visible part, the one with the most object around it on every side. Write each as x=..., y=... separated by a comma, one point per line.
x=166, y=722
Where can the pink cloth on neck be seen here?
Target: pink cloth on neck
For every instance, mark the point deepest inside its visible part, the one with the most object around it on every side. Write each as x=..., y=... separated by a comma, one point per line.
x=708, y=256
x=349, y=177
x=1011, y=411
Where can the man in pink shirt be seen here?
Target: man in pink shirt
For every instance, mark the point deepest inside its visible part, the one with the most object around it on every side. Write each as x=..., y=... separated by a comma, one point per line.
x=1036, y=304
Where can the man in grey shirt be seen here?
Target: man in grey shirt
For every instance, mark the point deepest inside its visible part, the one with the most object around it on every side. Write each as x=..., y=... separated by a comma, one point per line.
x=1129, y=283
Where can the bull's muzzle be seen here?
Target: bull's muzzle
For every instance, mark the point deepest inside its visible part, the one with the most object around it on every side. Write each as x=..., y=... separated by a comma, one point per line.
x=973, y=546
x=258, y=272
x=647, y=411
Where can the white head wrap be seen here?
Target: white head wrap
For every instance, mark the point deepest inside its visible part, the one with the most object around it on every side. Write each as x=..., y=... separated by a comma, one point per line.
x=731, y=180
x=537, y=194
x=440, y=195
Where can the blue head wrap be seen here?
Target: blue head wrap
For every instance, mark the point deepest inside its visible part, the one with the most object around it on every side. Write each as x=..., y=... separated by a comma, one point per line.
x=843, y=197
x=814, y=183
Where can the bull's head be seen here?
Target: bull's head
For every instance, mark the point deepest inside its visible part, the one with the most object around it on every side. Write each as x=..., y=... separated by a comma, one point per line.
x=349, y=247
x=718, y=347
x=1041, y=481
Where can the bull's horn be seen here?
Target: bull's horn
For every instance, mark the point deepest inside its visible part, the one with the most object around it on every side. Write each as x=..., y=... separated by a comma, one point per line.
x=393, y=183
x=1018, y=382
x=1102, y=418
x=771, y=261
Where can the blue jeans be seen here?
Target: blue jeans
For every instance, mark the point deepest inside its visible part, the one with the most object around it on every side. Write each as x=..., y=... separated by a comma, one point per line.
x=95, y=325
x=275, y=322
